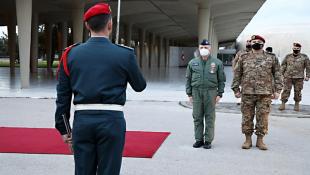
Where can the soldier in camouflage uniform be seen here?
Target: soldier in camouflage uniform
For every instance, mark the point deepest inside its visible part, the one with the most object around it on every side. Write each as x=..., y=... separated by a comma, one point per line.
x=258, y=74
x=293, y=70
x=204, y=87
x=248, y=48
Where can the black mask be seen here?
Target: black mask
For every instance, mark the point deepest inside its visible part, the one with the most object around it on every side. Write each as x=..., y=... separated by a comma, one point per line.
x=249, y=46
x=257, y=46
x=296, y=52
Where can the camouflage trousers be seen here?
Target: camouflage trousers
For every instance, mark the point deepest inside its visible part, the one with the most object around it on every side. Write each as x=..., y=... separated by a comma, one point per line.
x=258, y=106
x=298, y=84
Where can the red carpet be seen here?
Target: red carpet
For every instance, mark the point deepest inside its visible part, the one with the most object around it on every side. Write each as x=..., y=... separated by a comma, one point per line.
x=48, y=141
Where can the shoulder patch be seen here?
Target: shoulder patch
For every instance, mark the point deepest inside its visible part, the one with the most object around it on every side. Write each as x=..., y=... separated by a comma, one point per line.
x=125, y=47
x=195, y=64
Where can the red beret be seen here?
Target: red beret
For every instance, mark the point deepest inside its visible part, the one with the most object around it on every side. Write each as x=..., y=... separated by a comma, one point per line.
x=254, y=37
x=98, y=9
x=297, y=45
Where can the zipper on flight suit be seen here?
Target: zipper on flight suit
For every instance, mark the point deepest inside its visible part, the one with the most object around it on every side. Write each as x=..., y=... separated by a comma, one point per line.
x=203, y=73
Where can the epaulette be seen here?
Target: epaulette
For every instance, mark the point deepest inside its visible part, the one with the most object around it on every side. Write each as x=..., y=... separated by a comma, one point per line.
x=64, y=60
x=126, y=47
x=73, y=45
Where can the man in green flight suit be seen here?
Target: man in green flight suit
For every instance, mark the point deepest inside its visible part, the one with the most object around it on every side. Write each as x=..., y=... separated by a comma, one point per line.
x=204, y=87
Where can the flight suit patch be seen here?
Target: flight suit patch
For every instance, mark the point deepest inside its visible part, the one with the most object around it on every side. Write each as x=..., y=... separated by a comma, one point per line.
x=212, y=68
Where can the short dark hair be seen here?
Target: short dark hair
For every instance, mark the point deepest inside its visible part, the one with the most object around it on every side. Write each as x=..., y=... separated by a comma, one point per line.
x=99, y=22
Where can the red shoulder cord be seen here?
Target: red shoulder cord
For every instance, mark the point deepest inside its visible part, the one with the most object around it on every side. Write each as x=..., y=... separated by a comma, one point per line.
x=64, y=61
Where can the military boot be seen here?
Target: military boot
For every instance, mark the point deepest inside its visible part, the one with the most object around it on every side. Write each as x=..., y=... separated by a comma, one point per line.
x=296, y=107
x=260, y=143
x=282, y=106
x=248, y=142
x=198, y=144
x=207, y=145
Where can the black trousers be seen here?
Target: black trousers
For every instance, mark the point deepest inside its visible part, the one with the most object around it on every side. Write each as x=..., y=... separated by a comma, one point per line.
x=98, y=142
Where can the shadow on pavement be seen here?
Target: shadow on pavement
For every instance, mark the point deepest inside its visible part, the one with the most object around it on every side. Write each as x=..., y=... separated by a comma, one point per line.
x=235, y=109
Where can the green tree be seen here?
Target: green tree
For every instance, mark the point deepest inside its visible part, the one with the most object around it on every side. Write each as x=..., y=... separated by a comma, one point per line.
x=4, y=44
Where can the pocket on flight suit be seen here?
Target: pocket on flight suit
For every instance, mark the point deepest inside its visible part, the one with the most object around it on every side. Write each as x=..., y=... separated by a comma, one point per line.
x=212, y=78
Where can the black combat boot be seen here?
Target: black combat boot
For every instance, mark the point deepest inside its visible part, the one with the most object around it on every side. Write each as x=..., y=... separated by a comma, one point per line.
x=198, y=144
x=207, y=145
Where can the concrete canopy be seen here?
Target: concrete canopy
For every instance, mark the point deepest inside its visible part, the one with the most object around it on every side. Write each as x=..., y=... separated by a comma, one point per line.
x=177, y=19
x=182, y=22
x=173, y=19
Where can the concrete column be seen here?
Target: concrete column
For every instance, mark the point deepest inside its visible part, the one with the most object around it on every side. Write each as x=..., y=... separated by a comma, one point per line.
x=146, y=50
x=161, y=57
x=34, y=43
x=12, y=41
x=211, y=32
x=213, y=42
x=167, y=46
x=78, y=24
x=64, y=35
x=143, y=59
x=24, y=15
x=215, y=45
x=212, y=38
x=154, y=51
x=150, y=49
x=138, y=53
x=48, y=44
x=128, y=34
x=204, y=14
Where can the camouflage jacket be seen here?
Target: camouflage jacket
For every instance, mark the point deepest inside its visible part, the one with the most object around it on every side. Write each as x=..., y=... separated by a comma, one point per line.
x=237, y=56
x=205, y=74
x=257, y=73
x=294, y=67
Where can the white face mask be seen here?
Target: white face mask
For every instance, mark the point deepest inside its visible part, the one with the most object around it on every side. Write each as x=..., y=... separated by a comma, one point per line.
x=204, y=52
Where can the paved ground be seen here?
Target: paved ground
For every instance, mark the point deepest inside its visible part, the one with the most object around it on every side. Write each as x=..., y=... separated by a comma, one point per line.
x=163, y=85
x=289, y=142
x=158, y=109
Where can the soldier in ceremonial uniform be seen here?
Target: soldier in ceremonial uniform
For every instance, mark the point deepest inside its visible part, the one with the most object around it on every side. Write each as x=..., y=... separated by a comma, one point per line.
x=293, y=70
x=258, y=74
x=96, y=73
x=204, y=87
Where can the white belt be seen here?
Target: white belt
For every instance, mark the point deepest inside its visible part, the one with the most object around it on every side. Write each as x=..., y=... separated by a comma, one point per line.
x=110, y=107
